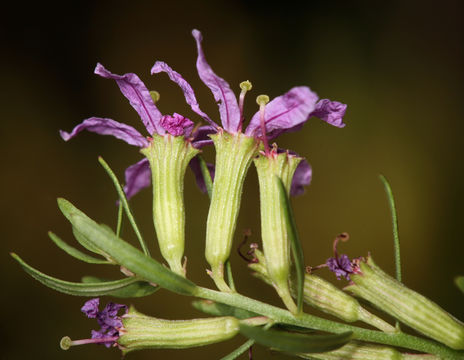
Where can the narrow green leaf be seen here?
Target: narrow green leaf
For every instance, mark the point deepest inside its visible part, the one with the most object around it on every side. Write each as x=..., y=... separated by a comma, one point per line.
x=459, y=281
x=239, y=351
x=297, y=250
x=74, y=252
x=206, y=176
x=125, y=204
x=396, y=237
x=135, y=289
x=80, y=289
x=125, y=254
x=295, y=342
x=217, y=309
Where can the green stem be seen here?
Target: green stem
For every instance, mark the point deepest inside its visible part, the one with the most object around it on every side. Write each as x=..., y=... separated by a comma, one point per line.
x=309, y=321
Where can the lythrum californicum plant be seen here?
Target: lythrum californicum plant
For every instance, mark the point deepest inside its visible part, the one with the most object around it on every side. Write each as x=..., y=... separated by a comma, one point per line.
x=171, y=145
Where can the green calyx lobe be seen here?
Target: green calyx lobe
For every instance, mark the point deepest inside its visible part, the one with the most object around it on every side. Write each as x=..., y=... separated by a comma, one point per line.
x=276, y=245
x=168, y=157
x=234, y=153
x=144, y=332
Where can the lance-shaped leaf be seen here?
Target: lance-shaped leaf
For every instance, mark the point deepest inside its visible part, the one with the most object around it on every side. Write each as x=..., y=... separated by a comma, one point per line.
x=125, y=254
x=80, y=289
x=294, y=342
x=297, y=250
x=217, y=309
x=459, y=281
x=134, y=289
x=70, y=250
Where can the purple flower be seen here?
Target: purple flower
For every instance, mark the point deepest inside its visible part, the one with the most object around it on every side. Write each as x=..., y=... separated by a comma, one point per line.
x=138, y=175
x=108, y=319
x=341, y=266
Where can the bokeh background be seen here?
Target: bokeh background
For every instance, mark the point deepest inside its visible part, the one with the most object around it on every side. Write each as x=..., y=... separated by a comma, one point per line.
x=398, y=65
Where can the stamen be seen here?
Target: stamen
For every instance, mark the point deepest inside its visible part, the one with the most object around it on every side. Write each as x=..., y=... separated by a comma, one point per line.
x=262, y=100
x=245, y=86
x=66, y=341
x=155, y=96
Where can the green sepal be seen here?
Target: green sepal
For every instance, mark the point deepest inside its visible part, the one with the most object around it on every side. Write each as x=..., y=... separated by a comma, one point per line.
x=125, y=254
x=295, y=342
x=217, y=309
x=135, y=289
x=297, y=250
x=74, y=252
x=459, y=281
x=99, y=288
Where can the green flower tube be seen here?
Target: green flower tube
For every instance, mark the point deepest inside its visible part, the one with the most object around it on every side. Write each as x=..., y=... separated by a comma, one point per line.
x=144, y=332
x=234, y=153
x=389, y=295
x=276, y=245
x=168, y=157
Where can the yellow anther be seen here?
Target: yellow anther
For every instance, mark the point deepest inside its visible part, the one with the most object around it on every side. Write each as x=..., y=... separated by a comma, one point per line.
x=245, y=85
x=155, y=95
x=262, y=100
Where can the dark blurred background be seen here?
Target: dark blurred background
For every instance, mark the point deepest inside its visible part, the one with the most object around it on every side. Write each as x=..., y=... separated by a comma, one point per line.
x=398, y=66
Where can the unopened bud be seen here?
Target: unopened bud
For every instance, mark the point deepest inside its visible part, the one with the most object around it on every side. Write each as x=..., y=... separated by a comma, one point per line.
x=409, y=307
x=145, y=332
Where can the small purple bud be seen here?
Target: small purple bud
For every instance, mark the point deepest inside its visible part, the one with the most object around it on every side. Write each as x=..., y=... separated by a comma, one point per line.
x=90, y=308
x=176, y=124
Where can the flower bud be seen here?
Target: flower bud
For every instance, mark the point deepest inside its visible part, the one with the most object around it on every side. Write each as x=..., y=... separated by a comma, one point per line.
x=144, y=332
x=276, y=245
x=234, y=153
x=389, y=295
x=169, y=156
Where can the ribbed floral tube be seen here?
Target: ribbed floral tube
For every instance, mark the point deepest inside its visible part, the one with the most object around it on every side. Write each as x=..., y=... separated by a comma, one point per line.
x=276, y=245
x=234, y=153
x=389, y=295
x=144, y=332
x=168, y=157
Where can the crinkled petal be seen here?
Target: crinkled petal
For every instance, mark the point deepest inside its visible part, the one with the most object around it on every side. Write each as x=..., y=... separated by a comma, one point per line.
x=224, y=96
x=139, y=97
x=200, y=136
x=102, y=335
x=284, y=112
x=330, y=111
x=177, y=125
x=301, y=178
x=90, y=308
x=189, y=94
x=138, y=177
x=105, y=126
x=196, y=168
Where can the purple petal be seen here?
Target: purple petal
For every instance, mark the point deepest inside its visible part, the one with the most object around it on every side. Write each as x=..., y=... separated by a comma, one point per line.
x=102, y=335
x=200, y=137
x=331, y=112
x=112, y=308
x=301, y=178
x=177, y=125
x=139, y=97
x=224, y=96
x=138, y=177
x=341, y=266
x=90, y=308
x=189, y=94
x=104, y=126
x=284, y=112
x=196, y=168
